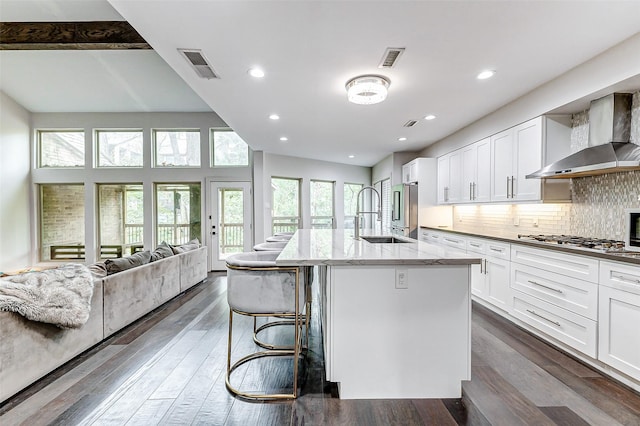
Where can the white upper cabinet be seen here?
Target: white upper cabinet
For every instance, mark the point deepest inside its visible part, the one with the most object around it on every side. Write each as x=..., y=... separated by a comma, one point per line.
x=410, y=172
x=476, y=172
x=495, y=169
x=450, y=178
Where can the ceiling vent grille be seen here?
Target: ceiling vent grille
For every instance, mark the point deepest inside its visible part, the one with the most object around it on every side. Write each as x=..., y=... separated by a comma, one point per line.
x=199, y=63
x=390, y=57
x=410, y=123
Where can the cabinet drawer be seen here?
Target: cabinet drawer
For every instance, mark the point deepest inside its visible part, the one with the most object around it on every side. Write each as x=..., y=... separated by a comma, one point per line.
x=475, y=245
x=573, y=330
x=580, y=267
x=435, y=237
x=498, y=250
x=621, y=276
x=454, y=241
x=578, y=296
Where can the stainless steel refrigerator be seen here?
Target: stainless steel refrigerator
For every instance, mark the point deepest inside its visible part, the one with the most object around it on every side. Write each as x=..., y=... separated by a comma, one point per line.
x=404, y=210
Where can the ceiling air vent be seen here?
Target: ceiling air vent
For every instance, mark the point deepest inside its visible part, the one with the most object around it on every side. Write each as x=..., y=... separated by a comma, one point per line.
x=199, y=63
x=390, y=57
x=410, y=123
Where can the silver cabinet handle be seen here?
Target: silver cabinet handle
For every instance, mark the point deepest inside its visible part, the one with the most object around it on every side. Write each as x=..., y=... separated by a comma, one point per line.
x=508, y=187
x=470, y=191
x=481, y=261
x=556, y=323
x=546, y=286
x=486, y=271
x=474, y=245
x=495, y=249
x=452, y=241
x=627, y=279
x=446, y=193
x=513, y=193
x=474, y=191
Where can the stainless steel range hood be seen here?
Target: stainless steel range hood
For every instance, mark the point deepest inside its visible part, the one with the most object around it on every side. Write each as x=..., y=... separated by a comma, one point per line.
x=609, y=148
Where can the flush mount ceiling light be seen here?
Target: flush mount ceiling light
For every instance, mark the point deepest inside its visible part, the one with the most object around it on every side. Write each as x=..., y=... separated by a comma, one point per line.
x=284, y=139
x=367, y=89
x=274, y=117
x=486, y=74
x=429, y=117
x=402, y=139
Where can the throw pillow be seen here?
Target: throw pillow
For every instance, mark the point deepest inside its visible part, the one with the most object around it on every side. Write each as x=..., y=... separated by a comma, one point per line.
x=98, y=270
x=122, y=264
x=191, y=245
x=163, y=250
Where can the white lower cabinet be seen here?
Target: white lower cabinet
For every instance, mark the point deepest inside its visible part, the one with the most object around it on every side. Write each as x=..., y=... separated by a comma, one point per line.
x=619, y=317
x=557, y=294
x=490, y=281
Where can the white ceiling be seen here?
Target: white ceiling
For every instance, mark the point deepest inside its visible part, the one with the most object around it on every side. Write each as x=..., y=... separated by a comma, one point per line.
x=309, y=49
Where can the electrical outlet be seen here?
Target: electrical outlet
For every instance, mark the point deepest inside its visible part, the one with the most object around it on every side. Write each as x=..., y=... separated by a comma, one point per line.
x=516, y=221
x=402, y=278
x=535, y=222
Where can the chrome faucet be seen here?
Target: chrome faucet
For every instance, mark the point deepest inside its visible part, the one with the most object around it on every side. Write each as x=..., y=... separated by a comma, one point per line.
x=356, y=220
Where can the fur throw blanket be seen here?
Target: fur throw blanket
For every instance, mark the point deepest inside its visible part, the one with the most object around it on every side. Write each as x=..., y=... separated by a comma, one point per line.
x=60, y=296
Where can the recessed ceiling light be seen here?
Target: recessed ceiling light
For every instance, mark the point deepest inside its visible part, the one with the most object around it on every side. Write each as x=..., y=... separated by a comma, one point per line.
x=256, y=72
x=486, y=74
x=402, y=139
x=284, y=139
x=274, y=117
x=429, y=117
x=352, y=156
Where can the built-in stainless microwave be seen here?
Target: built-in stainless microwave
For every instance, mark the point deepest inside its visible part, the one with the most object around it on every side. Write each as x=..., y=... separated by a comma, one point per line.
x=632, y=230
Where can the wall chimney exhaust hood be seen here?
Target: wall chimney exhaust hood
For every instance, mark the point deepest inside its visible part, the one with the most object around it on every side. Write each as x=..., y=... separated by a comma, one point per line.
x=609, y=149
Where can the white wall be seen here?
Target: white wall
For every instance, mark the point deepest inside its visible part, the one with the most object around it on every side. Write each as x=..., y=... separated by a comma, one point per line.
x=15, y=227
x=613, y=66
x=305, y=169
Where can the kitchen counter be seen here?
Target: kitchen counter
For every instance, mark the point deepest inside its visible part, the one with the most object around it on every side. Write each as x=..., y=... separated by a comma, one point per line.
x=512, y=238
x=338, y=247
x=396, y=317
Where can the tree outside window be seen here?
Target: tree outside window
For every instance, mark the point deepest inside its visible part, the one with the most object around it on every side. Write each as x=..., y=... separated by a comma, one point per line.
x=322, y=204
x=178, y=214
x=177, y=148
x=350, y=203
x=229, y=150
x=285, y=206
x=121, y=218
x=119, y=148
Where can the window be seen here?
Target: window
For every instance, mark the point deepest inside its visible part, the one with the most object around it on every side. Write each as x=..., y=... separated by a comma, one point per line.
x=121, y=219
x=322, y=205
x=62, y=222
x=61, y=148
x=177, y=148
x=178, y=213
x=350, y=203
x=285, y=205
x=119, y=148
x=384, y=187
x=228, y=149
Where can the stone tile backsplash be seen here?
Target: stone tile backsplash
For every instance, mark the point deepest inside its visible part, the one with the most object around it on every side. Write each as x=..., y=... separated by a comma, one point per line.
x=598, y=202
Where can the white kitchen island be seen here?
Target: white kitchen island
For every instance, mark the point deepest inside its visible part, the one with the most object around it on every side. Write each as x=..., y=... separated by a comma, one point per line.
x=396, y=318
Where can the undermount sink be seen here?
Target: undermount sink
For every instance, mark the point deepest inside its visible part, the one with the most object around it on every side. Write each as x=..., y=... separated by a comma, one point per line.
x=384, y=240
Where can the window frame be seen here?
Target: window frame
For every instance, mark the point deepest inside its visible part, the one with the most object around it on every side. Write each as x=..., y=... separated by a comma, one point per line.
x=299, y=203
x=96, y=146
x=154, y=148
x=38, y=143
x=344, y=213
x=156, y=233
x=212, y=149
x=333, y=202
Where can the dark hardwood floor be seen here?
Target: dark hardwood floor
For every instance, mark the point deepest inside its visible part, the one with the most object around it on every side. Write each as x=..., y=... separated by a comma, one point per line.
x=169, y=368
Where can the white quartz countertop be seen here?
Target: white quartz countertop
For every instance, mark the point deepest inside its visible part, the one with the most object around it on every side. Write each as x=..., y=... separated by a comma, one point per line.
x=338, y=247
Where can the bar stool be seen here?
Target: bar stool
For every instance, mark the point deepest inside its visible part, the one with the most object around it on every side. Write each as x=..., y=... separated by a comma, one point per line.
x=257, y=287
x=290, y=234
x=272, y=246
x=278, y=238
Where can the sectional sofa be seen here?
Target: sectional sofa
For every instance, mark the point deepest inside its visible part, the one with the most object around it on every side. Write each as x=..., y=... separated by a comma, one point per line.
x=30, y=350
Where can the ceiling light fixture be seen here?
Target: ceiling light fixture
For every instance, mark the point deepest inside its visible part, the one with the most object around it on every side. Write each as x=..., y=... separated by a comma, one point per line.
x=367, y=89
x=429, y=117
x=402, y=139
x=284, y=139
x=256, y=72
x=352, y=156
x=486, y=74
x=274, y=117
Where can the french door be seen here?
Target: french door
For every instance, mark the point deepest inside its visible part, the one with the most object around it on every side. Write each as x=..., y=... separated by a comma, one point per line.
x=230, y=221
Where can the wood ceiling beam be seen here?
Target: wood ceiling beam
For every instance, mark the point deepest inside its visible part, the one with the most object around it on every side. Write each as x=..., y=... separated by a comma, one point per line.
x=96, y=35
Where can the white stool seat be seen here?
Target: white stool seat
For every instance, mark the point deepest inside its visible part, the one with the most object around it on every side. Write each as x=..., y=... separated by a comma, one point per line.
x=272, y=246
